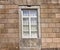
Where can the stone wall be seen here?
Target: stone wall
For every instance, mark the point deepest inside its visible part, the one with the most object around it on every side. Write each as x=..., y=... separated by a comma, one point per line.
x=9, y=25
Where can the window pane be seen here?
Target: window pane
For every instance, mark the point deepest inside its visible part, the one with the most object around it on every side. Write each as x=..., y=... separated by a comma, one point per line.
x=25, y=21
x=26, y=34
x=33, y=13
x=34, y=21
x=25, y=28
x=33, y=28
x=34, y=34
x=25, y=12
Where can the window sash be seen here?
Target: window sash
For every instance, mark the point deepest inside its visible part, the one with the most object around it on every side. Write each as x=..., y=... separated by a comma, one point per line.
x=32, y=33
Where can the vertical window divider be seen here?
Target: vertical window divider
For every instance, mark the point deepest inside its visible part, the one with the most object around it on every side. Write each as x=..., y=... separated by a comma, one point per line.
x=29, y=24
x=22, y=24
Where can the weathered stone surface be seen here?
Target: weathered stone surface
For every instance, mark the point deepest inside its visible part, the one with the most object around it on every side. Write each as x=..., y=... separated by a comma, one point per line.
x=10, y=34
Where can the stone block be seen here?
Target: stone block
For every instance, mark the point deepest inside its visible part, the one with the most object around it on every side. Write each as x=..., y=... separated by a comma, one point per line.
x=2, y=11
x=32, y=2
x=57, y=40
x=45, y=45
x=1, y=26
x=58, y=15
x=51, y=35
x=11, y=6
x=52, y=25
x=12, y=16
x=13, y=25
x=58, y=45
x=2, y=16
x=43, y=40
x=47, y=30
x=12, y=35
x=44, y=35
x=46, y=20
x=2, y=6
x=56, y=30
x=57, y=35
x=13, y=30
x=53, y=45
x=3, y=2
x=54, y=1
x=44, y=15
x=21, y=2
x=49, y=40
x=12, y=21
x=2, y=21
x=44, y=24
x=12, y=11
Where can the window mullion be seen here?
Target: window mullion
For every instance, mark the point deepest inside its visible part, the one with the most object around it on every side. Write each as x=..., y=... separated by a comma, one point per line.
x=22, y=24
x=29, y=24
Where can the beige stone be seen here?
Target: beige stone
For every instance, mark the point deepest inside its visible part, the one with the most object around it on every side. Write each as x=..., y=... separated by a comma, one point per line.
x=1, y=26
x=4, y=2
x=12, y=11
x=57, y=25
x=53, y=45
x=58, y=45
x=12, y=16
x=46, y=20
x=10, y=30
x=51, y=35
x=13, y=30
x=49, y=40
x=54, y=1
x=56, y=40
x=2, y=16
x=11, y=6
x=43, y=40
x=58, y=35
x=44, y=10
x=2, y=6
x=47, y=30
x=12, y=35
x=21, y=2
x=44, y=6
x=44, y=25
x=13, y=25
x=32, y=2
x=3, y=21
x=44, y=15
x=44, y=35
x=58, y=15
x=2, y=11
x=52, y=25
x=13, y=20
x=45, y=45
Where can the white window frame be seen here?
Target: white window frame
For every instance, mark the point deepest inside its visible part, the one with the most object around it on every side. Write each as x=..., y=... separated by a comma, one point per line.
x=20, y=17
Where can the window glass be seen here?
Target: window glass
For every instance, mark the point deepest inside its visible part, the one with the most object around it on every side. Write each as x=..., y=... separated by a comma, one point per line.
x=29, y=23
x=33, y=13
x=25, y=12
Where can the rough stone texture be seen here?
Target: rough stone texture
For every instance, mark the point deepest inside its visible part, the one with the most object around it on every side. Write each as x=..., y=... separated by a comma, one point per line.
x=50, y=25
x=9, y=25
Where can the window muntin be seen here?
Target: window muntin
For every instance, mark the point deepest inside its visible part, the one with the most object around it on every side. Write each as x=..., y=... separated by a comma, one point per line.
x=29, y=23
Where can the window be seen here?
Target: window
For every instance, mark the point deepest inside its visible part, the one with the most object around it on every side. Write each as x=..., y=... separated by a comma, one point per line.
x=30, y=25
